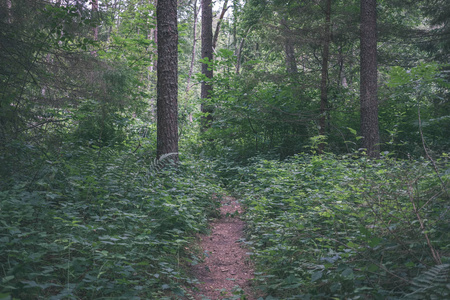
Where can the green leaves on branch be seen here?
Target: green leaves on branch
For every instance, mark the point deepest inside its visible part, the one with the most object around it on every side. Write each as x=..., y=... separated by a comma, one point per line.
x=424, y=73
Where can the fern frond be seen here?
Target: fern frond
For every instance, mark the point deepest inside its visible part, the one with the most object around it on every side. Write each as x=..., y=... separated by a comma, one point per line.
x=431, y=284
x=158, y=164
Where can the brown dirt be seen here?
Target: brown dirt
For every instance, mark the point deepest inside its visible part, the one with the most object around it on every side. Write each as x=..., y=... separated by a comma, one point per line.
x=226, y=266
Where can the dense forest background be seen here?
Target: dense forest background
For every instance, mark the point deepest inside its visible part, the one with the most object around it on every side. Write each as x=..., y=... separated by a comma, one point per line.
x=90, y=209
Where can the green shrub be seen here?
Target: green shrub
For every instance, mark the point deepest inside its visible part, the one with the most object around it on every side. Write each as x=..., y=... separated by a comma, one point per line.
x=325, y=227
x=103, y=223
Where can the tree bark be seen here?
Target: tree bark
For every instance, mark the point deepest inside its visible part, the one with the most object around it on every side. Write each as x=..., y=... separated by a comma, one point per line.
x=207, y=53
x=324, y=80
x=368, y=80
x=167, y=79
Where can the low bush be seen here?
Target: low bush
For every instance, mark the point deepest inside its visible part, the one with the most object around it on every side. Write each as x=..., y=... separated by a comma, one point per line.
x=322, y=227
x=103, y=223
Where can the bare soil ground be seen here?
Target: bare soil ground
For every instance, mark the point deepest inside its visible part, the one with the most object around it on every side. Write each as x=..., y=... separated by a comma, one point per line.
x=226, y=271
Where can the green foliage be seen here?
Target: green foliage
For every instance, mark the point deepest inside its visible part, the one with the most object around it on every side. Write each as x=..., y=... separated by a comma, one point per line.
x=131, y=40
x=55, y=89
x=423, y=73
x=432, y=284
x=104, y=119
x=265, y=109
x=103, y=223
x=418, y=91
x=256, y=114
x=326, y=227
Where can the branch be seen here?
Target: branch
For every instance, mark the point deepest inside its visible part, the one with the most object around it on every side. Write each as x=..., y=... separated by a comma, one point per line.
x=222, y=14
x=427, y=154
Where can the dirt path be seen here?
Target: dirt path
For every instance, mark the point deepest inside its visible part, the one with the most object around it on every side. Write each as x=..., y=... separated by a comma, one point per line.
x=226, y=272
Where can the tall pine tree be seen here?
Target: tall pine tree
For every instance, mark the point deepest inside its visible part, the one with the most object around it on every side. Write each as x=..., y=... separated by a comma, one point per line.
x=368, y=84
x=167, y=82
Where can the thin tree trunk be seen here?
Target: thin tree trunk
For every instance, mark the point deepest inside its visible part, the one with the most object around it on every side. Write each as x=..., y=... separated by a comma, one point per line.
x=342, y=82
x=9, y=19
x=219, y=22
x=194, y=44
x=323, y=83
x=239, y=51
x=95, y=29
x=155, y=37
x=154, y=58
x=95, y=12
x=207, y=54
x=291, y=63
x=167, y=79
x=368, y=81
x=235, y=21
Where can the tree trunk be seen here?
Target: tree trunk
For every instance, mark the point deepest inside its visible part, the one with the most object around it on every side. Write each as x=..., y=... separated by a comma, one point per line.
x=291, y=63
x=95, y=14
x=368, y=84
x=153, y=36
x=154, y=33
x=207, y=53
x=239, y=51
x=194, y=43
x=342, y=82
x=95, y=29
x=167, y=79
x=323, y=83
x=9, y=18
x=219, y=22
x=194, y=46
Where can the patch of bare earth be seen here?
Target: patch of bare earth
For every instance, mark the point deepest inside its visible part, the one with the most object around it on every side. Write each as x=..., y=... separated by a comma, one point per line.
x=226, y=266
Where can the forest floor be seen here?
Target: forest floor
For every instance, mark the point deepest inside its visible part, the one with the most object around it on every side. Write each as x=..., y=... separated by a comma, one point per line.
x=226, y=271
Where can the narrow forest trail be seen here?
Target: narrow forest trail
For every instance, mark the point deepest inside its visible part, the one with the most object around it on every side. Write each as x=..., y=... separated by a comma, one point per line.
x=226, y=271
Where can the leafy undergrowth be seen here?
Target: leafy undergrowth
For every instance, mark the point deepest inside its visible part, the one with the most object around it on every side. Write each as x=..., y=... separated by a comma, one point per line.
x=350, y=228
x=103, y=224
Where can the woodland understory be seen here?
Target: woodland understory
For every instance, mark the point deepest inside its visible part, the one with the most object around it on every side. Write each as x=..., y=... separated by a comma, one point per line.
x=92, y=206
